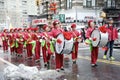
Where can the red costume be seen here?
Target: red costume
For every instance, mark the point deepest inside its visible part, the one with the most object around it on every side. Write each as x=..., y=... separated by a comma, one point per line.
x=76, y=36
x=15, y=35
x=28, y=39
x=46, y=47
x=19, y=42
x=5, y=40
x=94, y=52
x=12, y=41
x=36, y=36
x=58, y=57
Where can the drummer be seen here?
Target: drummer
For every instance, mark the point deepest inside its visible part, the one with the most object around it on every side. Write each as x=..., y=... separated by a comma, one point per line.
x=113, y=35
x=77, y=39
x=56, y=30
x=94, y=50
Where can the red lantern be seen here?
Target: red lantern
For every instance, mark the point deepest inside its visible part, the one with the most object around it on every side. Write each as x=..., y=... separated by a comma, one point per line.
x=53, y=7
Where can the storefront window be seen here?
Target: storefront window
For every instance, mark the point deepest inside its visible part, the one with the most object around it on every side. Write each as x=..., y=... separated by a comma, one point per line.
x=88, y=3
x=111, y=3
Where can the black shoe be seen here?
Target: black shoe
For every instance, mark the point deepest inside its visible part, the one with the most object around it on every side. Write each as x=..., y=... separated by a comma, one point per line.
x=45, y=65
x=94, y=65
x=62, y=69
x=37, y=61
x=57, y=70
x=74, y=62
x=48, y=63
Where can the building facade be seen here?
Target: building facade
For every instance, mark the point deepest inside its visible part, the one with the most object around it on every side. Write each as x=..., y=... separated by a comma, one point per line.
x=2, y=14
x=15, y=13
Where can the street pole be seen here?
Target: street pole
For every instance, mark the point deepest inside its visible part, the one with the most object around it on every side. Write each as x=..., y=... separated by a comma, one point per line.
x=76, y=11
x=96, y=12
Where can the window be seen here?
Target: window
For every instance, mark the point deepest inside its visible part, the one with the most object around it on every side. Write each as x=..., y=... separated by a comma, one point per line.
x=89, y=3
x=111, y=3
x=69, y=4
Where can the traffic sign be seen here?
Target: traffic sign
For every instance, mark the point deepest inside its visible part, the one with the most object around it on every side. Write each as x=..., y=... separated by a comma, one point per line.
x=62, y=17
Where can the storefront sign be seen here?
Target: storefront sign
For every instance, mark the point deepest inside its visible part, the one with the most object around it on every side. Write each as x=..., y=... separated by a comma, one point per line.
x=39, y=21
x=112, y=15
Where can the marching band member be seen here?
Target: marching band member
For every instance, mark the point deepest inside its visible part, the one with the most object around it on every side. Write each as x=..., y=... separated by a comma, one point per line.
x=47, y=46
x=112, y=35
x=28, y=39
x=15, y=35
x=76, y=36
x=36, y=36
x=58, y=57
x=94, y=51
x=12, y=41
x=19, y=42
x=4, y=36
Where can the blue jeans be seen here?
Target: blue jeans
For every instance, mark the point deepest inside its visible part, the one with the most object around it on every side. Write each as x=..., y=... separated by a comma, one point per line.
x=110, y=46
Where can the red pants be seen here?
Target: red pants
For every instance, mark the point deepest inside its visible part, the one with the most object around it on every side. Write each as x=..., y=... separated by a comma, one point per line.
x=12, y=49
x=5, y=45
x=37, y=50
x=20, y=48
x=29, y=50
x=46, y=56
x=75, y=51
x=94, y=55
x=59, y=60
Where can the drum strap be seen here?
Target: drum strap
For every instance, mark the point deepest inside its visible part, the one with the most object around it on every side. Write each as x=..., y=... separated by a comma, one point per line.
x=46, y=35
x=74, y=34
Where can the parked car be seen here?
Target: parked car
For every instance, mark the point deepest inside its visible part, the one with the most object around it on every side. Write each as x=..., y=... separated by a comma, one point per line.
x=117, y=42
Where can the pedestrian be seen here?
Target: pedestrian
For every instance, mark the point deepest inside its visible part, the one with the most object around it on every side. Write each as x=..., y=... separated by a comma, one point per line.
x=94, y=51
x=112, y=36
x=76, y=36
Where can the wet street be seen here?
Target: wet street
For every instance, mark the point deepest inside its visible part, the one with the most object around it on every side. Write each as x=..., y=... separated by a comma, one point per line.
x=82, y=70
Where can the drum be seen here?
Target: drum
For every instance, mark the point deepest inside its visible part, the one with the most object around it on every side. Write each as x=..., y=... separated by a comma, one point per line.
x=65, y=47
x=102, y=38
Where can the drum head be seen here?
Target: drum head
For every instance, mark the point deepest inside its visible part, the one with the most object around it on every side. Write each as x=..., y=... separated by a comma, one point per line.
x=95, y=34
x=59, y=47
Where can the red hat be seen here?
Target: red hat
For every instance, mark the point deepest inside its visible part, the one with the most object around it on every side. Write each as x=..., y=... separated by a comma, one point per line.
x=15, y=29
x=89, y=23
x=55, y=22
x=36, y=28
x=73, y=25
x=45, y=26
x=24, y=29
x=19, y=29
x=30, y=28
x=4, y=30
x=11, y=30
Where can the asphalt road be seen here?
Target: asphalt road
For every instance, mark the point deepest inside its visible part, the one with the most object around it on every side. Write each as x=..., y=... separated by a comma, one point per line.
x=82, y=70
